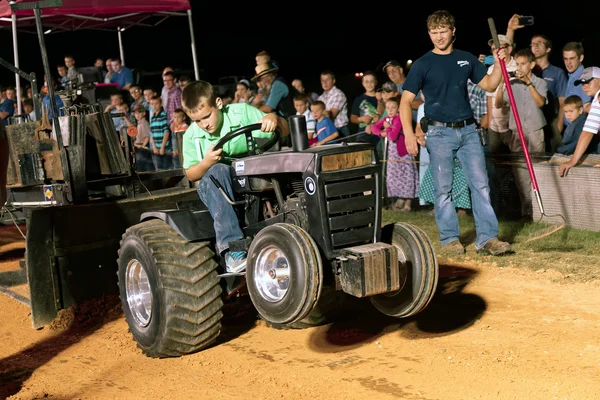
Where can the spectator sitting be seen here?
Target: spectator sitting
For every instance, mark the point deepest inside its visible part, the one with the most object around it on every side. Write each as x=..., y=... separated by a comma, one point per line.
x=109, y=71
x=121, y=75
x=573, y=108
x=325, y=129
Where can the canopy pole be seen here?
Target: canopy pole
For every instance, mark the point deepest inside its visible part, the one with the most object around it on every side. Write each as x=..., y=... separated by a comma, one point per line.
x=194, y=56
x=121, y=52
x=16, y=56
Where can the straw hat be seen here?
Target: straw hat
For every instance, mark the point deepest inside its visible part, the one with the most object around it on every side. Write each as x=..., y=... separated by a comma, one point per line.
x=263, y=69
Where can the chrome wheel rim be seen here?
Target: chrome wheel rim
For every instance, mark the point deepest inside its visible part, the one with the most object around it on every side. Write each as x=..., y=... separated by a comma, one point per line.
x=139, y=293
x=272, y=274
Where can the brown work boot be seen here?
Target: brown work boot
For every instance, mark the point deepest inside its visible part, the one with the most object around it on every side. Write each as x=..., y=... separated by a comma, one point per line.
x=453, y=248
x=495, y=247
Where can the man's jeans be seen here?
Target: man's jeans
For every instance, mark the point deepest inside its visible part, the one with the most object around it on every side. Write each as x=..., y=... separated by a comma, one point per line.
x=443, y=145
x=226, y=224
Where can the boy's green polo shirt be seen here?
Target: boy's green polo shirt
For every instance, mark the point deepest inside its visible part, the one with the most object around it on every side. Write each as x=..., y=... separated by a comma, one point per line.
x=196, y=141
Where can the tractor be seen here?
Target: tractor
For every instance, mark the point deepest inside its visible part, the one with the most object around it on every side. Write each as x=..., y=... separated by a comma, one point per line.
x=311, y=217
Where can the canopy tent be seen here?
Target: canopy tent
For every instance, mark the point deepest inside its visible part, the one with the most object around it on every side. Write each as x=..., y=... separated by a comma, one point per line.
x=113, y=15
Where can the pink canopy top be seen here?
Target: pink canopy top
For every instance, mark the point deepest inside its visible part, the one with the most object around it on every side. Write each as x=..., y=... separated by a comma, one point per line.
x=103, y=8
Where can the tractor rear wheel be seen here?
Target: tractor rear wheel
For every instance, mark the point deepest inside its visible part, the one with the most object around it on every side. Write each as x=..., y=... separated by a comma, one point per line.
x=415, y=251
x=170, y=291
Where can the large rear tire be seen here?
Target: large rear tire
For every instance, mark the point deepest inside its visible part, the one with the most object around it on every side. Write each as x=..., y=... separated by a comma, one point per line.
x=170, y=291
x=415, y=250
x=284, y=273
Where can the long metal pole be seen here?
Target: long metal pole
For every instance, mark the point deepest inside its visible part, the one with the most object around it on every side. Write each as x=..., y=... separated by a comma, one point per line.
x=49, y=79
x=121, y=52
x=16, y=55
x=194, y=56
x=64, y=158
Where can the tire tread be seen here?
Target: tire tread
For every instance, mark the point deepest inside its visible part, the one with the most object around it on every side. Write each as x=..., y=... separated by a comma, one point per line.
x=192, y=295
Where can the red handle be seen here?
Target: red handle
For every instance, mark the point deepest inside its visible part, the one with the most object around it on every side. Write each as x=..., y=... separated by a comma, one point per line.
x=513, y=108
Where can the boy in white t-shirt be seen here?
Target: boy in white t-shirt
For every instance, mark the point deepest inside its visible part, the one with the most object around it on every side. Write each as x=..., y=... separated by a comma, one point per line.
x=301, y=106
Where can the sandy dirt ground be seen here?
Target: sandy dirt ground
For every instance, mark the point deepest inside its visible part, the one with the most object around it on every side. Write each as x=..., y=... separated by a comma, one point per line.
x=489, y=333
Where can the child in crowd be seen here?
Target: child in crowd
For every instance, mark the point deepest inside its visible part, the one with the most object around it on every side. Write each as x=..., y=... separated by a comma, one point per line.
x=143, y=154
x=179, y=124
x=227, y=97
x=401, y=175
x=243, y=93
x=213, y=120
x=126, y=119
x=28, y=108
x=530, y=93
x=160, y=136
x=184, y=80
x=62, y=73
x=262, y=57
x=301, y=106
x=324, y=129
x=148, y=95
x=573, y=108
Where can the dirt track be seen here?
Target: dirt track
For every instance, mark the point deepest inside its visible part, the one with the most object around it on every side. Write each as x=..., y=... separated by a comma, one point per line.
x=489, y=333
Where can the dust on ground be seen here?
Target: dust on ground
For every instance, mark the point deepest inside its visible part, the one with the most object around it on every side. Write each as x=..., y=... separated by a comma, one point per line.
x=489, y=333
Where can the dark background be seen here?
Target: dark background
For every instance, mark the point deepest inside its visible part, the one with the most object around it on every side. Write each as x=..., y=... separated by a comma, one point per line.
x=304, y=40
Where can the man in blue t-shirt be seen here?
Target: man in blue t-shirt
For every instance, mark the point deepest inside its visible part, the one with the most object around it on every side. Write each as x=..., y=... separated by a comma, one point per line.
x=451, y=131
x=122, y=75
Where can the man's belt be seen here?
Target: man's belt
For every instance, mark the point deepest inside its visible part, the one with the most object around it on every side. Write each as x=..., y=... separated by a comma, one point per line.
x=453, y=125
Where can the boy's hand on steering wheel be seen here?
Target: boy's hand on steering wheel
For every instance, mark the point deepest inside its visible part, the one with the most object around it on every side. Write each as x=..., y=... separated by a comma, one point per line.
x=268, y=122
x=213, y=156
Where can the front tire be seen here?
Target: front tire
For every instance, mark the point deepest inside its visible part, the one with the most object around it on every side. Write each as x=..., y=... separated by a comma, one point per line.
x=169, y=290
x=284, y=273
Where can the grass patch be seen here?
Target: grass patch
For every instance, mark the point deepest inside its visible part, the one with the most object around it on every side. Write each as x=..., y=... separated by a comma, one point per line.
x=572, y=252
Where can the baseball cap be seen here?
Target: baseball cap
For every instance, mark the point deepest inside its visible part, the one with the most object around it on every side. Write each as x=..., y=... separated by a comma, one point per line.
x=391, y=63
x=388, y=87
x=139, y=108
x=501, y=39
x=587, y=75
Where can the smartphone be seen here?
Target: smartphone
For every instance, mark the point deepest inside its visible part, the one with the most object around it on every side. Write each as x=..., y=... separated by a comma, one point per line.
x=526, y=20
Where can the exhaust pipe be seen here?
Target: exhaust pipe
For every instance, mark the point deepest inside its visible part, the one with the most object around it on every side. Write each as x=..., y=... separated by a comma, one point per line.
x=298, y=132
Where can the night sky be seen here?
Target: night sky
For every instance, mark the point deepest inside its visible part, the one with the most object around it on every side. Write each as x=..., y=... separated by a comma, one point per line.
x=304, y=41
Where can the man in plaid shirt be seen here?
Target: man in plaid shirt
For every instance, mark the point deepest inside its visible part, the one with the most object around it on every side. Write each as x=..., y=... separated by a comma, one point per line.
x=173, y=95
x=478, y=100
x=336, y=103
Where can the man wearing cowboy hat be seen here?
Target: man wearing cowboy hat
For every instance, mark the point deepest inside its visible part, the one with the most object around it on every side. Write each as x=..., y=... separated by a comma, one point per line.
x=280, y=98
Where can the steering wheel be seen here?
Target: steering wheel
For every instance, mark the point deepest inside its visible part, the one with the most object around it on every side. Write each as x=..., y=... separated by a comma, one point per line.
x=253, y=148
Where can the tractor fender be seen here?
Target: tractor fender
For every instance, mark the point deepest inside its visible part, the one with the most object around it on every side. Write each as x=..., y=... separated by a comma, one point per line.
x=191, y=225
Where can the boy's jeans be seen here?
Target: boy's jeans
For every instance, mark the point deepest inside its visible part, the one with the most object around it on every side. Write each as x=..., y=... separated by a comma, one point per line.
x=443, y=144
x=226, y=224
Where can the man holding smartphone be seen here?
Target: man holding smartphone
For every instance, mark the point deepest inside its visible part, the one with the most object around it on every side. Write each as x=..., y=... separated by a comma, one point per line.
x=451, y=131
x=555, y=77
